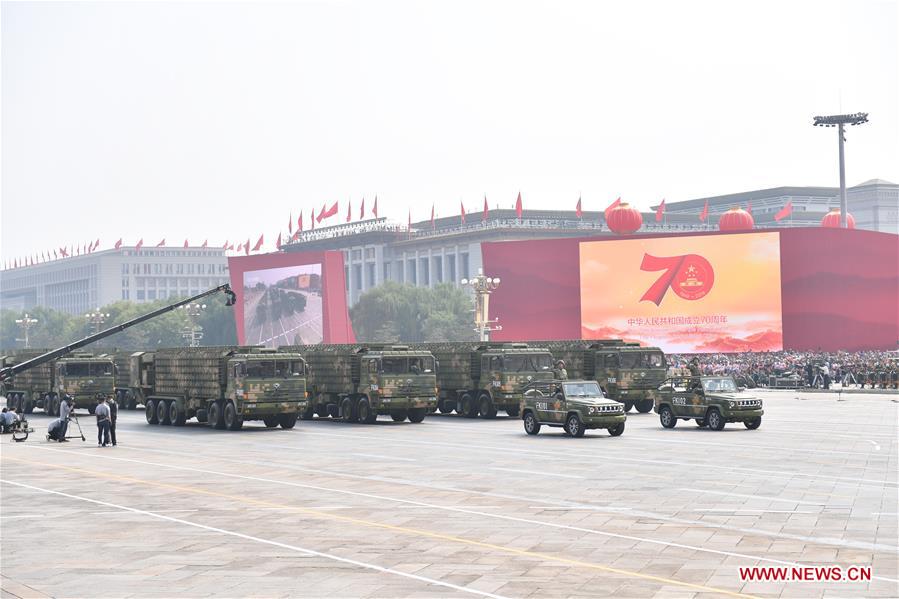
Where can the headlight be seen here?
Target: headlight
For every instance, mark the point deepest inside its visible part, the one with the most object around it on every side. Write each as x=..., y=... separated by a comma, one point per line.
x=732, y=404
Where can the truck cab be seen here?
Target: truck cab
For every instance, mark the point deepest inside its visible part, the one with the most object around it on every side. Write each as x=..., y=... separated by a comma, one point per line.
x=85, y=378
x=712, y=401
x=399, y=380
x=503, y=370
x=266, y=384
x=574, y=405
x=630, y=373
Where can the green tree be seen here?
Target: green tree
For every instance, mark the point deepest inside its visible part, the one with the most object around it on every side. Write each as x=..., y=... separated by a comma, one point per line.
x=403, y=313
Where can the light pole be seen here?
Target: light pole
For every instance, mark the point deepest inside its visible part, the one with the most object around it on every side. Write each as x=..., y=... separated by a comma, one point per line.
x=193, y=332
x=839, y=121
x=25, y=323
x=483, y=286
x=96, y=318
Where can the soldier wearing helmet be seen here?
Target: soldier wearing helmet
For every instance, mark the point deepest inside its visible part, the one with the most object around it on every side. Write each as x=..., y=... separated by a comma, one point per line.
x=559, y=371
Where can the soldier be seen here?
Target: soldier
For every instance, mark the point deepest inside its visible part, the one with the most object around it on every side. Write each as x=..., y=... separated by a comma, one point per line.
x=559, y=371
x=694, y=367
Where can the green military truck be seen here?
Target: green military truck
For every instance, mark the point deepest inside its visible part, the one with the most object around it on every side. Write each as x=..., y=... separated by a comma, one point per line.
x=483, y=378
x=576, y=406
x=84, y=377
x=712, y=401
x=220, y=386
x=357, y=383
x=627, y=372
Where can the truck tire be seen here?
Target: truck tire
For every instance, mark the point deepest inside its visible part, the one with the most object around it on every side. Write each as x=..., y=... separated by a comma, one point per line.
x=469, y=407
x=216, y=416
x=150, y=412
x=29, y=406
x=753, y=424
x=628, y=404
x=233, y=421
x=416, y=415
x=366, y=413
x=162, y=412
x=54, y=406
x=272, y=421
x=288, y=421
x=666, y=417
x=348, y=410
x=616, y=430
x=176, y=416
x=513, y=411
x=644, y=406
x=309, y=412
x=398, y=415
x=486, y=407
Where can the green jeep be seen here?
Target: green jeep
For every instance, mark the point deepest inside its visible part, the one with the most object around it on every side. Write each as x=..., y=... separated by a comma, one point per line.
x=711, y=401
x=574, y=405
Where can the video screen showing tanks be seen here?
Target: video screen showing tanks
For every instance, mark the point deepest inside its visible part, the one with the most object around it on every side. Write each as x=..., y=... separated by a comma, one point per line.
x=283, y=306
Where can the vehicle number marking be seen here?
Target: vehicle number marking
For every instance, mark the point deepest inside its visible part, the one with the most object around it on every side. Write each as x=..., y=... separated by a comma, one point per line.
x=612, y=380
x=542, y=405
x=679, y=401
x=497, y=383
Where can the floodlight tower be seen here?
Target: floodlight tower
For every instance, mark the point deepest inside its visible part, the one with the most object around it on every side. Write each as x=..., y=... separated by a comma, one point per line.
x=96, y=318
x=839, y=121
x=25, y=323
x=193, y=332
x=483, y=286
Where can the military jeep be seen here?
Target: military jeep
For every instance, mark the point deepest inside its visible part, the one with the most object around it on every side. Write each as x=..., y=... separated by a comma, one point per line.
x=712, y=401
x=574, y=405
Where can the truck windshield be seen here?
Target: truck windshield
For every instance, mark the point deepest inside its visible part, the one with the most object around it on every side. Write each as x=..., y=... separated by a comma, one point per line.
x=582, y=390
x=642, y=360
x=274, y=369
x=101, y=368
x=719, y=385
x=404, y=365
x=526, y=362
x=77, y=368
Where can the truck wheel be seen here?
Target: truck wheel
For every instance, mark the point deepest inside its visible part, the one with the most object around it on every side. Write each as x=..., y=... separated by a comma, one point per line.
x=666, y=417
x=416, y=415
x=288, y=421
x=616, y=430
x=91, y=407
x=308, y=413
x=485, y=406
x=54, y=406
x=715, y=420
x=753, y=424
x=398, y=415
x=628, y=404
x=216, y=417
x=445, y=406
x=176, y=416
x=366, y=414
x=644, y=406
x=150, y=412
x=272, y=421
x=469, y=407
x=348, y=410
x=322, y=411
x=531, y=426
x=29, y=406
x=162, y=412
x=233, y=421
x=513, y=411
x=574, y=427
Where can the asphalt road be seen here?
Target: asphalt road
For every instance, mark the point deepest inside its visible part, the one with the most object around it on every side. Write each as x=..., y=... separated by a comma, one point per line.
x=456, y=507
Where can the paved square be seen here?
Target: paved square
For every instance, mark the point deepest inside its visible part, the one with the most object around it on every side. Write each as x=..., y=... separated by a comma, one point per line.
x=454, y=507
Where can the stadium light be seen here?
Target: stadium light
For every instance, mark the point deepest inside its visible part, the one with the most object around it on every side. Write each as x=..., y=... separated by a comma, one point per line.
x=840, y=121
x=483, y=286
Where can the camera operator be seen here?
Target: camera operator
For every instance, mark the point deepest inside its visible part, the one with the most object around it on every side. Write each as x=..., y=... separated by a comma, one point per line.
x=65, y=408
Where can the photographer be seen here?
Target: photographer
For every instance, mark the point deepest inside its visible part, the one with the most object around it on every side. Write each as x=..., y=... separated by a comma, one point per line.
x=65, y=408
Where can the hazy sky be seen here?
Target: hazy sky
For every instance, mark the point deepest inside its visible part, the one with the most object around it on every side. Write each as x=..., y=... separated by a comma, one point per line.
x=217, y=120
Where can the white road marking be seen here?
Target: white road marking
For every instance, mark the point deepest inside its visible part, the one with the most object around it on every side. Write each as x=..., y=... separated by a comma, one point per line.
x=538, y=473
x=296, y=548
x=866, y=546
x=572, y=509
x=726, y=511
x=875, y=444
x=733, y=446
x=383, y=457
x=765, y=497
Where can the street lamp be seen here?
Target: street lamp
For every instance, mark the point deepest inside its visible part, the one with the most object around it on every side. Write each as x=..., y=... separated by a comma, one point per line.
x=839, y=121
x=25, y=323
x=193, y=332
x=483, y=286
x=96, y=318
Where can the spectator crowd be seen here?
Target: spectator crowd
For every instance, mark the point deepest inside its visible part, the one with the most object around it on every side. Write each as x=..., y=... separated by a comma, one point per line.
x=866, y=369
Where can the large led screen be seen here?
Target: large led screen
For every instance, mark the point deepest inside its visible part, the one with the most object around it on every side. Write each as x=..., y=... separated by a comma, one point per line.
x=696, y=293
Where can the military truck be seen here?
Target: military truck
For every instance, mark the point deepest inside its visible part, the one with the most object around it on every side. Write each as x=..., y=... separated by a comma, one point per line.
x=357, y=383
x=627, y=372
x=574, y=405
x=84, y=377
x=483, y=378
x=712, y=401
x=221, y=386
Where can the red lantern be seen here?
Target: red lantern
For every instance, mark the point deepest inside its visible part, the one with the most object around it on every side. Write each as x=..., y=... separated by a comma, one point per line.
x=624, y=219
x=832, y=220
x=736, y=219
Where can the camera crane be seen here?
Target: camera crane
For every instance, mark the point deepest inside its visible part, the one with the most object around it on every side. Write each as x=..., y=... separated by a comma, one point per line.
x=7, y=373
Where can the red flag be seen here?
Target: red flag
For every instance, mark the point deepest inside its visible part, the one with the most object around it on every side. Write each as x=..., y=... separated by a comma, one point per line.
x=96, y=244
x=433, y=224
x=278, y=243
x=327, y=213
x=118, y=243
x=660, y=211
x=484, y=217
x=161, y=243
x=205, y=243
x=77, y=250
x=374, y=209
x=577, y=209
x=296, y=235
x=321, y=213
x=705, y=212
x=63, y=252
x=362, y=210
x=140, y=244
x=518, y=206
x=230, y=247
x=239, y=247
x=246, y=247
x=349, y=208
x=611, y=207
x=258, y=243
x=784, y=212
x=290, y=223
x=463, y=212
x=300, y=222
x=225, y=246
x=185, y=243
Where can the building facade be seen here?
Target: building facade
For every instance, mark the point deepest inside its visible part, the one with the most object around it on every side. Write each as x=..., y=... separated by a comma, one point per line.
x=81, y=283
